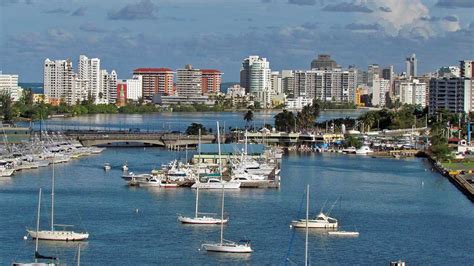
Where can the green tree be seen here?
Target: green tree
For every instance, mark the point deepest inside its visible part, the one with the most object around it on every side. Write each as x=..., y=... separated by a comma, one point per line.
x=193, y=129
x=352, y=141
x=285, y=121
x=248, y=117
x=6, y=108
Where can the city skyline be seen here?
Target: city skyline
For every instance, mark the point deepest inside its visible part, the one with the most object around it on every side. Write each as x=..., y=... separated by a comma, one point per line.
x=132, y=34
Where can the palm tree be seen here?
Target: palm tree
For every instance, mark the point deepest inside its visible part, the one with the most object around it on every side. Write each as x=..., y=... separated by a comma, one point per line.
x=248, y=117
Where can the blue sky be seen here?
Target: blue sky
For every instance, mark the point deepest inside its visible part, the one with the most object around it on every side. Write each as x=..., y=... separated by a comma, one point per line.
x=127, y=34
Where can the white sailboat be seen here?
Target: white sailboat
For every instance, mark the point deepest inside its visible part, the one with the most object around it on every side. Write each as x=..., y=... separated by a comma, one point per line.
x=200, y=218
x=37, y=254
x=53, y=234
x=226, y=246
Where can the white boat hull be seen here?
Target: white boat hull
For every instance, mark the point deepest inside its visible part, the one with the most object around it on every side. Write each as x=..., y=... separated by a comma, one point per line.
x=227, y=248
x=6, y=172
x=58, y=235
x=343, y=233
x=313, y=224
x=201, y=220
x=227, y=185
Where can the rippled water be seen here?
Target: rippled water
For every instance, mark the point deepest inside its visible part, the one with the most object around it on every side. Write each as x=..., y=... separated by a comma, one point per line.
x=400, y=210
x=174, y=121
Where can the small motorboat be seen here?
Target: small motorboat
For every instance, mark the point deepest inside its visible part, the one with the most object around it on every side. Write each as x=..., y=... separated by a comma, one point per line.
x=107, y=166
x=321, y=221
x=125, y=167
x=343, y=233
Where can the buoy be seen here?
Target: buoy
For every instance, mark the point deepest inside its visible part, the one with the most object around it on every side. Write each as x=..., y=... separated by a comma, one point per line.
x=25, y=237
x=136, y=210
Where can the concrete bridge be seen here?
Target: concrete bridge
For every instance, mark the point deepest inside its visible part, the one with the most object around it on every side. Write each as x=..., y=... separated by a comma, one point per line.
x=168, y=140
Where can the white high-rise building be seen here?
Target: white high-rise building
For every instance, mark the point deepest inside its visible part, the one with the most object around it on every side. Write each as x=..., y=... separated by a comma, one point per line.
x=255, y=76
x=412, y=66
x=467, y=69
x=188, y=81
x=413, y=92
x=380, y=89
x=108, y=87
x=9, y=84
x=134, y=88
x=327, y=85
x=58, y=80
x=89, y=69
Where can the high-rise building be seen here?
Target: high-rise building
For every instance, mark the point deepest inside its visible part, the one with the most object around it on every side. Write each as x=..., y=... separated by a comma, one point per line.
x=288, y=83
x=413, y=92
x=9, y=84
x=323, y=62
x=372, y=70
x=255, y=76
x=155, y=81
x=327, y=85
x=453, y=94
x=210, y=81
x=130, y=89
x=58, y=80
x=276, y=82
x=412, y=66
x=188, y=81
x=380, y=89
x=108, y=87
x=89, y=69
x=467, y=68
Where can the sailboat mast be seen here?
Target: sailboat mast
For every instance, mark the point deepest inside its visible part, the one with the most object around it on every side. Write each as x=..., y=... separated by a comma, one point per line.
x=79, y=256
x=199, y=169
x=222, y=216
x=38, y=224
x=220, y=173
x=52, y=197
x=307, y=217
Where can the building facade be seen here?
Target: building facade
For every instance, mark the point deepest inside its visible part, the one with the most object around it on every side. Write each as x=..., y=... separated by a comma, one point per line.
x=413, y=92
x=255, y=76
x=327, y=85
x=89, y=69
x=323, y=62
x=9, y=84
x=155, y=81
x=211, y=80
x=412, y=66
x=380, y=91
x=132, y=87
x=453, y=94
x=467, y=68
x=188, y=81
x=58, y=80
x=108, y=84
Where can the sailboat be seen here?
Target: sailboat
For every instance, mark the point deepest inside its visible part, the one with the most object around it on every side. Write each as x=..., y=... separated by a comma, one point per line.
x=226, y=246
x=214, y=183
x=200, y=218
x=37, y=254
x=57, y=235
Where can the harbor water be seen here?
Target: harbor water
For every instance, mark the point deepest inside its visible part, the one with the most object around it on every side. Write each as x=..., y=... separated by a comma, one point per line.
x=401, y=209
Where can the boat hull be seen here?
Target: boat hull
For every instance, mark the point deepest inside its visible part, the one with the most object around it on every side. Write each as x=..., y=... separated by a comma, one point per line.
x=227, y=248
x=228, y=185
x=200, y=220
x=58, y=235
x=344, y=233
x=313, y=224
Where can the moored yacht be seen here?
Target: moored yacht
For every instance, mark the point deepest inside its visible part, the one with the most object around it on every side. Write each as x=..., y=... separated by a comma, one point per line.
x=321, y=221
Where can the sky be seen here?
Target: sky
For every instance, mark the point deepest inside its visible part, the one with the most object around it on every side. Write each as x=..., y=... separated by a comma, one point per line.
x=127, y=34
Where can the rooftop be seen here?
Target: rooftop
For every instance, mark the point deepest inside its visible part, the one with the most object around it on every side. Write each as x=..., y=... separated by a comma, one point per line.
x=151, y=70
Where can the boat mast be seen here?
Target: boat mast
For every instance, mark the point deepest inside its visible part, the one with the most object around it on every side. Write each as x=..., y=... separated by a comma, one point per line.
x=52, y=197
x=37, y=225
x=220, y=173
x=199, y=169
x=307, y=217
x=79, y=256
